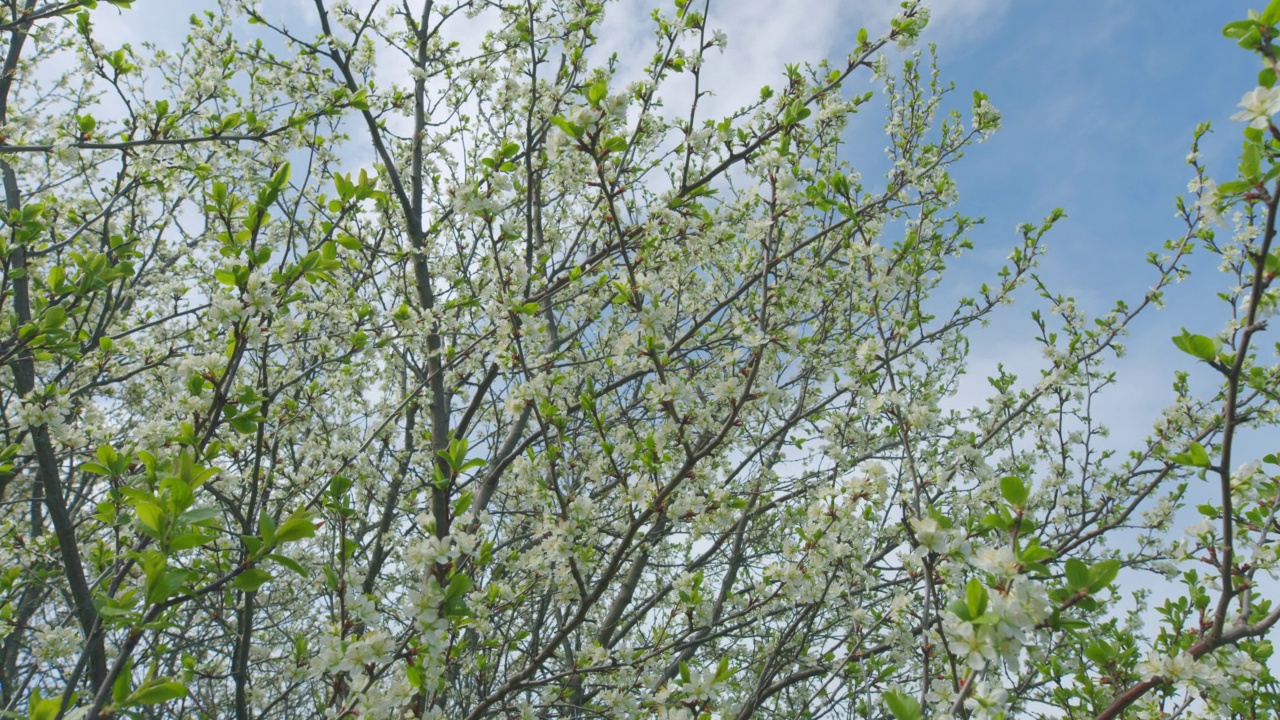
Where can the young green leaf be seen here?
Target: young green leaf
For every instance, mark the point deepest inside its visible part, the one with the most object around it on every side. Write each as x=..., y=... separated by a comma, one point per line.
x=1077, y=574
x=1196, y=345
x=251, y=579
x=1103, y=574
x=157, y=691
x=1195, y=456
x=903, y=706
x=298, y=526
x=570, y=129
x=975, y=598
x=1015, y=491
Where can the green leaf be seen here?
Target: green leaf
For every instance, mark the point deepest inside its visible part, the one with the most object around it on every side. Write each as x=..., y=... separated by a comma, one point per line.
x=342, y=183
x=903, y=706
x=266, y=527
x=178, y=494
x=1271, y=15
x=151, y=518
x=1077, y=574
x=95, y=468
x=1196, y=345
x=1251, y=40
x=458, y=586
x=1100, y=652
x=186, y=541
x=41, y=708
x=1071, y=623
x=124, y=682
x=1103, y=574
x=297, y=527
x=463, y=503
x=722, y=671
x=1014, y=491
x=55, y=316
x=165, y=583
x=290, y=563
x=975, y=598
x=199, y=515
x=597, y=92
x=251, y=579
x=1251, y=162
x=1238, y=29
x=1271, y=263
x=1195, y=456
x=959, y=609
x=331, y=579
x=997, y=521
x=1234, y=187
x=570, y=129
x=157, y=691
x=229, y=121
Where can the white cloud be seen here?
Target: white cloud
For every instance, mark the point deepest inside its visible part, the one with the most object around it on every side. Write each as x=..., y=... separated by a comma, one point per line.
x=960, y=24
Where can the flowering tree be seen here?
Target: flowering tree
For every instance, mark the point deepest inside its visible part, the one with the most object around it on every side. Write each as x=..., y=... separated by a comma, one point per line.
x=570, y=403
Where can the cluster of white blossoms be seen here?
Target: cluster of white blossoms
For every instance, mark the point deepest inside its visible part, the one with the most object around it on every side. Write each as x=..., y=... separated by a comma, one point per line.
x=35, y=414
x=431, y=550
x=986, y=117
x=1258, y=106
x=932, y=537
x=1267, y=305
x=56, y=643
x=1206, y=192
x=1018, y=608
x=1219, y=677
x=987, y=700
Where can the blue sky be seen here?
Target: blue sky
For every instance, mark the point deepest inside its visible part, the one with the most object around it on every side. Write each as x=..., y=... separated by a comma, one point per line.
x=1099, y=100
